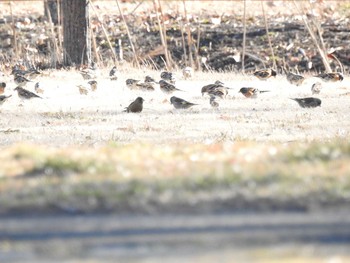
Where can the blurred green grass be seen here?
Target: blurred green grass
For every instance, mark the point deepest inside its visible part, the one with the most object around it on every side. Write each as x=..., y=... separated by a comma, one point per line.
x=147, y=178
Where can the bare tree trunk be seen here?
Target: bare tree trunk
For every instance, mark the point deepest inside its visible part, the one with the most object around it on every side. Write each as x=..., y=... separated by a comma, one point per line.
x=76, y=32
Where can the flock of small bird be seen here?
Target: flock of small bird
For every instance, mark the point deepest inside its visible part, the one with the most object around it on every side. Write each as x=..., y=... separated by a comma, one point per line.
x=218, y=89
x=167, y=84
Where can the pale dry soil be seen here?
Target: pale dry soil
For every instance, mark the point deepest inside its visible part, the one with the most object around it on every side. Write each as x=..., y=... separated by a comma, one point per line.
x=64, y=117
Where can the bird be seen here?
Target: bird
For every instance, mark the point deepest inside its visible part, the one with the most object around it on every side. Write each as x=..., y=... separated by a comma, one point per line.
x=309, y=102
x=93, y=85
x=26, y=94
x=295, y=79
x=167, y=87
x=82, y=90
x=131, y=83
x=21, y=80
x=150, y=79
x=3, y=98
x=135, y=106
x=210, y=87
x=113, y=73
x=251, y=92
x=316, y=88
x=38, y=89
x=146, y=86
x=168, y=76
x=187, y=72
x=2, y=87
x=181, y=103
x=213, y=102
x=219, y=92
x=32, y=74
x=88, y=74
x=331, y=77
x=265, y=74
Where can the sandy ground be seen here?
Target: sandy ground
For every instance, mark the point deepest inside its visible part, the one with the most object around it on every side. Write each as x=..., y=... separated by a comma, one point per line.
x=64, y=117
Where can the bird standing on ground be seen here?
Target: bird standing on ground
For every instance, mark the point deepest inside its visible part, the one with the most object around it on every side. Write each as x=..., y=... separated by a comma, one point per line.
x=83, y=90
x=295, y=79
x=146, y=86
x=265, y=74
x=88, y=74
x=93, y=85
x=251, y=92
x=3, y=98
x=30, y=74
x=38, y=89
x=187, y=72
x=2, y=87
x=220, y=92
x=135, y=106
x=308, y=102
x=113, y=73
x=331, y=77
x=210, y=87
x=150, y=79
x=168, y=76
x=21, y=80
x=213, y=102
x=316, y=88
x=167, y=87
x=131, y=83
x=181, y=103
x=26, y=94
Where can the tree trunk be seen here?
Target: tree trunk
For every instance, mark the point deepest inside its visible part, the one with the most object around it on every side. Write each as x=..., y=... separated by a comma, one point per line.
x=76, y=32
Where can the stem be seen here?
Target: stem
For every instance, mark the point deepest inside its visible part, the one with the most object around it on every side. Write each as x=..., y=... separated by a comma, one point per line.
x=268, y=36
x=244, y=35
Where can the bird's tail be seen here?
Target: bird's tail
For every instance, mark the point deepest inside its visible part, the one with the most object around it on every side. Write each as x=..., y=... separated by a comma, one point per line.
x=263, y=91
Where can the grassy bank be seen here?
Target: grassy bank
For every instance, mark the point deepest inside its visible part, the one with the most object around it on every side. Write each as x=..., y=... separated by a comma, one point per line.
x=148, y=178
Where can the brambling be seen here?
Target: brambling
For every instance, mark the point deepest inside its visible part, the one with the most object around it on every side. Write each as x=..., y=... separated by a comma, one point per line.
x=265, y=74
x=21, y=80
x=251, y=92
x=167, y=87
x=210, y=87
x=2, y=87
x=131, y=83
x=295, y=79
x=331, y=77
x=168, y=76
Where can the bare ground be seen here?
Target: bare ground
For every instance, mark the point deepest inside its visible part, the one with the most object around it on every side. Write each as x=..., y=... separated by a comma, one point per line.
x=64, y=117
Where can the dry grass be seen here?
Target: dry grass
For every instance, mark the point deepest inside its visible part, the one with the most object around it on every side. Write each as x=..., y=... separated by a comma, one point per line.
x=145, y=177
